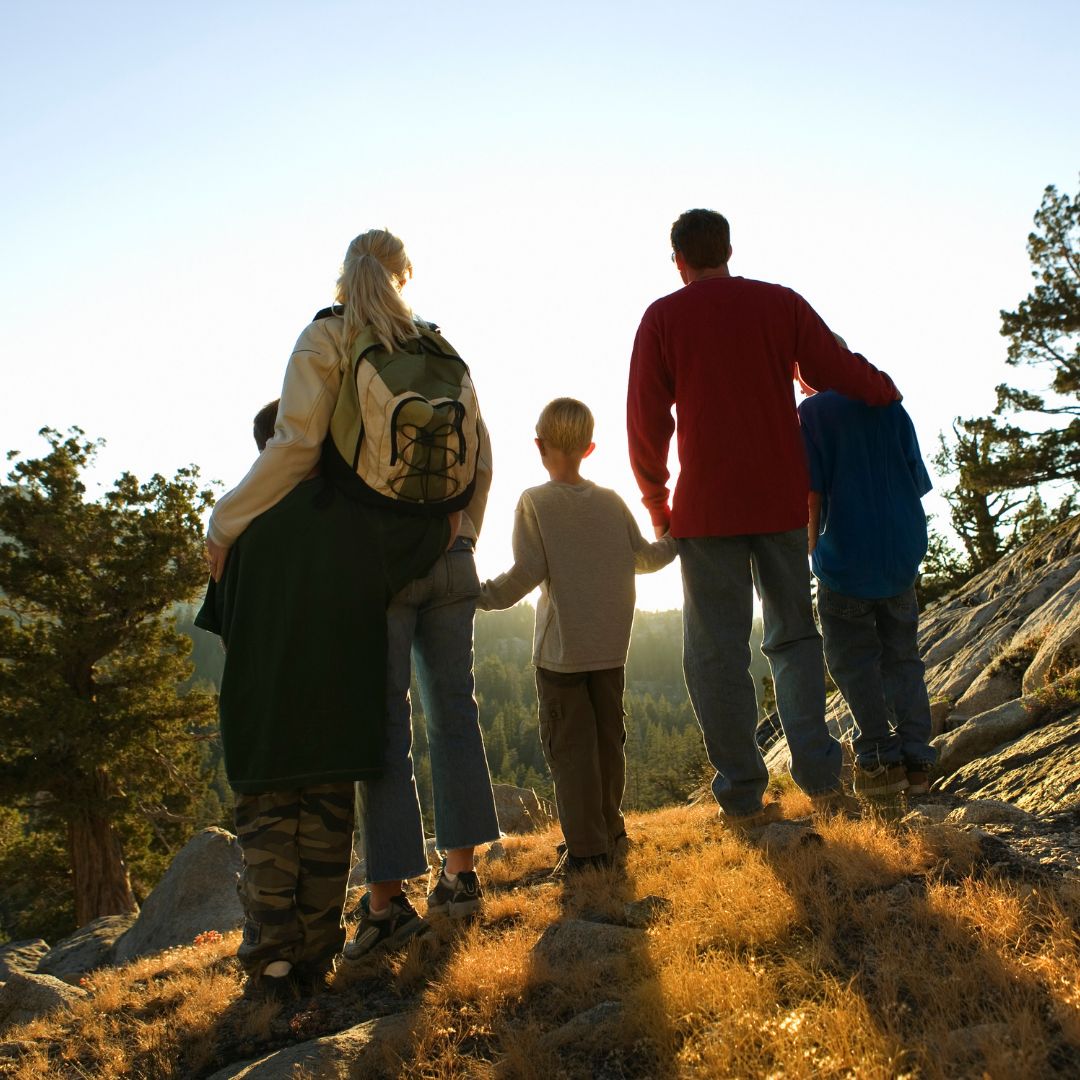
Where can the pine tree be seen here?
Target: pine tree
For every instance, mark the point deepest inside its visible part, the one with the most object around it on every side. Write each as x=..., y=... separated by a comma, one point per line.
x=93, y=732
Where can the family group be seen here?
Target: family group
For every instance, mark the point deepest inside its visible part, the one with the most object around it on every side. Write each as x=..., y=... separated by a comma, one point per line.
x=342, y=565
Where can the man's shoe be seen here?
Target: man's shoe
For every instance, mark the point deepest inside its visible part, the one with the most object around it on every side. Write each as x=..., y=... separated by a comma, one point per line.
x=570, y=864
x=620, y=847
x=835, y=802
x=884, y=780
x=741, y=822
x=462, y=898
x=390, y=932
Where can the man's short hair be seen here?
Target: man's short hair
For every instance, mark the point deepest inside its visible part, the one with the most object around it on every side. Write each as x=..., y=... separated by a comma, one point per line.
x=263, y=425
x=567, y=424
x=703, y=237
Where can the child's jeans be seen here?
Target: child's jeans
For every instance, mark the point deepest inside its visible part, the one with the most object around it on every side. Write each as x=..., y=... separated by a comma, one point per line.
x=297, y=848
x=582, y=733
x=873, y=657
x=430, y=621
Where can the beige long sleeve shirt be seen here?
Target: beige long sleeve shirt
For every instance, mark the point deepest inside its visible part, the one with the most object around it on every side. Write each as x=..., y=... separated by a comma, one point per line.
x=308, y=398
x=581, y=545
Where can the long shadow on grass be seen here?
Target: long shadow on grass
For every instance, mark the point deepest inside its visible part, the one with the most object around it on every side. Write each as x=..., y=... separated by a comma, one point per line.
x=948, y=958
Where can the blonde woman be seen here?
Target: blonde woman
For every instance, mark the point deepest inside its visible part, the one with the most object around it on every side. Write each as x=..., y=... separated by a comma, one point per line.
x=430, y=619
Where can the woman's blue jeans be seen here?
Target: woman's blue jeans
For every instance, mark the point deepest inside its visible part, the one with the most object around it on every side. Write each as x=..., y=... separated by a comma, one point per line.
x=430, y=621
x=719, y=575
x=873, y=653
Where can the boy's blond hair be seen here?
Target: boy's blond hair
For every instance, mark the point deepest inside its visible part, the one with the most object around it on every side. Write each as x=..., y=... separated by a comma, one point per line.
x=567, y=424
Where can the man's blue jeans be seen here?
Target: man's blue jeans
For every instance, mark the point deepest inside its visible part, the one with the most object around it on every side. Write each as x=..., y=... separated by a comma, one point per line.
x=720, y=574
x=430, y=621
x=873, y=655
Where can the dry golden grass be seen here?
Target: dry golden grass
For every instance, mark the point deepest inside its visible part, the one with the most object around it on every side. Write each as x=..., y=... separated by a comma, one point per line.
x=798, y=964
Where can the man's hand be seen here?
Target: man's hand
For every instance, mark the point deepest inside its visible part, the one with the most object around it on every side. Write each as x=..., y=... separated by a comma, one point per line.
x=215, y=556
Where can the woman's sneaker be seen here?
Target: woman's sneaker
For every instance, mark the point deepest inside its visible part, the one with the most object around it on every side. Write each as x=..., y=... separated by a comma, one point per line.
x=389, y=931
x=918, y=783
x=461, y=898
x=769, y=813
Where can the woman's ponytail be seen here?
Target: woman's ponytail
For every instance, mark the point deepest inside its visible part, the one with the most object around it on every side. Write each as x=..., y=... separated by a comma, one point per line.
x=372, y=274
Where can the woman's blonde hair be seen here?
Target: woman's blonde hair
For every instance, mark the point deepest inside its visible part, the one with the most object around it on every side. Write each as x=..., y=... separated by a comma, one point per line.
x=372, y=274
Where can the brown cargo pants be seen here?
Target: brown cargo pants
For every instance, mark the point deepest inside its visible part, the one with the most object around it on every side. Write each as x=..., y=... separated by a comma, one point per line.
x=582, y=733
x=297, y=848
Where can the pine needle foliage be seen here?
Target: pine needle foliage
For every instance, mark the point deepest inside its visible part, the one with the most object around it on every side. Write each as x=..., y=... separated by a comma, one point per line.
x=94, y=737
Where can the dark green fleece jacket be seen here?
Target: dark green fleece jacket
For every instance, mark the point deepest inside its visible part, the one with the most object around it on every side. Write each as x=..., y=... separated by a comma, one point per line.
x=301, y=608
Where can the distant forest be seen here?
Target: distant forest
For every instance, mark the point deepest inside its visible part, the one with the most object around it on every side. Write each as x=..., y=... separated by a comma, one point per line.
x=664, y=751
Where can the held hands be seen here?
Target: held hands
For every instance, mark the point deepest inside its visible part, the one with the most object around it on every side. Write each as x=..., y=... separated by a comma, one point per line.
x=215, y=556
x=661, y=531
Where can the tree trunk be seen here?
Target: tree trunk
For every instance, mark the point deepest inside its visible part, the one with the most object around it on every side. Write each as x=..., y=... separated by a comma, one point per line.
x=102, y=886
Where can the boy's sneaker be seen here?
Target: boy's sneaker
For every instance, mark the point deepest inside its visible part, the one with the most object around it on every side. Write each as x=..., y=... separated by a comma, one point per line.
x=884, y=780
x=769, y=813
x=393, y=930
x=461, y=898
x=918, y=783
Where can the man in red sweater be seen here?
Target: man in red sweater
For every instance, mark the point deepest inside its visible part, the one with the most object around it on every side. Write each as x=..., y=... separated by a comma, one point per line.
x=724, y=350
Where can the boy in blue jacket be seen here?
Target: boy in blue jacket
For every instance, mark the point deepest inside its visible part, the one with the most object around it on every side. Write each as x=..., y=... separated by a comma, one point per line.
x=867, y=539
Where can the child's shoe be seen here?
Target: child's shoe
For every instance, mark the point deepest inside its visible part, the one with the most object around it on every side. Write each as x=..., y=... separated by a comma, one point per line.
x=884, y=780
x=918, y=783
x=277, y=982
x=391, y=930
x=769, y=813
x=457, y=899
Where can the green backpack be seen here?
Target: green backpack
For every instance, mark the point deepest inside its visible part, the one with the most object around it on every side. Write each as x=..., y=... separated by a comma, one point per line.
x=405, y=429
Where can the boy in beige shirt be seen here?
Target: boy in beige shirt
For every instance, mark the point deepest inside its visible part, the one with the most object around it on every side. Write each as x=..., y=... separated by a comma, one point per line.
x=581, y=545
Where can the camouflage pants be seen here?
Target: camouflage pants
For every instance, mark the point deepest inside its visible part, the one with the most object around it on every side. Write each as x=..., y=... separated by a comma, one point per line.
x=297, y=848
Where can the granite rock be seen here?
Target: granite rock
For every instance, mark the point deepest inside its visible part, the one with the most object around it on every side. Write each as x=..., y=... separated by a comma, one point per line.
x=644, y=912
x=21, y=957
x=576, y=940
x=327, y=1056
x=26, y=997
x=988, y=812
x=1039, y=772
x=984, y=733
x=196, y=894
x=90, y=947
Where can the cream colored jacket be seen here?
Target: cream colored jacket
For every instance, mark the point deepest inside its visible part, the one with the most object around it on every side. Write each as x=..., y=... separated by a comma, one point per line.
x=308, y=397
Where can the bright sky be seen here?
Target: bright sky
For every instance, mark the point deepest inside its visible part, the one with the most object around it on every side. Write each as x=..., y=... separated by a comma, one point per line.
x=181, y=181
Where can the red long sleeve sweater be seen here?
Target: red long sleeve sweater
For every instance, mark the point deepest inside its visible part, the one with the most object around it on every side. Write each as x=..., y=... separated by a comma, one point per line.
x=723, y=352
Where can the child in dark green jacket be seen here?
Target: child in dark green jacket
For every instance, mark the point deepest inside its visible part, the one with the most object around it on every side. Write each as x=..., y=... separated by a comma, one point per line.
x=301, y=609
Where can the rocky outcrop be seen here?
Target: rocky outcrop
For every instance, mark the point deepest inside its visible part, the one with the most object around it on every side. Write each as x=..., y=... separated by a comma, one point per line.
x=521, y=810
x=1039, y=773
x=985, y=732
x=90, y=947
x=26, y=997
x=197, y=893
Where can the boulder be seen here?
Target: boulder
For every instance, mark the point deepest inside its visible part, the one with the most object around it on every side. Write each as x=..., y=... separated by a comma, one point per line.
x=197, y=893
x=988, y=812
x=982, y=734
x=575, y=940
x=644, y=912
x=328, y=1056
x=585, y=1023
x=26, y=997
x=21, y=957
x=90, y=947
x=520, y=810
x=1039, y=772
